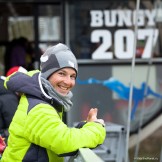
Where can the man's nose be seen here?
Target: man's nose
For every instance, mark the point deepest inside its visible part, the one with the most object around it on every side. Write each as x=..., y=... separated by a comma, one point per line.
x=67, y=80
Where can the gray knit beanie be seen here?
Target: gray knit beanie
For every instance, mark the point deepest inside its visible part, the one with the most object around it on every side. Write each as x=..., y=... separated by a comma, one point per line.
x=55, y=58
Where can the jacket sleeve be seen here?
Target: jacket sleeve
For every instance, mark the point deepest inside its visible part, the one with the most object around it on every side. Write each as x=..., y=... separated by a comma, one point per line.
x=44, y=127
x=9, y=103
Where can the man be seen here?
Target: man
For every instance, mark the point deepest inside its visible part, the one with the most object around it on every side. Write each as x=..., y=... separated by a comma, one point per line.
x=37, y=132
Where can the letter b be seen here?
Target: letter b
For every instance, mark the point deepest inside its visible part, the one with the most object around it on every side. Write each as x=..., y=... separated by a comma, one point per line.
x=96, y=18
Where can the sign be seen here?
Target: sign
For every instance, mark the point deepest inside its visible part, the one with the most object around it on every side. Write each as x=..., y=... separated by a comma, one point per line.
x=122, y=40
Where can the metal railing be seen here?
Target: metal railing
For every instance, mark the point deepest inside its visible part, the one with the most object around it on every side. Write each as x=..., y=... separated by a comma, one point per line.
x=85, y=155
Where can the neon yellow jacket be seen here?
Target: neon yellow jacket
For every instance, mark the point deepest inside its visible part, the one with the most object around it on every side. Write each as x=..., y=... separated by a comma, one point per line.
x=37, y=132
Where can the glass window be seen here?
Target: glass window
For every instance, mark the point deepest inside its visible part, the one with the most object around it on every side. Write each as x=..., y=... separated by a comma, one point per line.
x=21, y=26
x=106, y=30
x=49, y=20
x=49, y=28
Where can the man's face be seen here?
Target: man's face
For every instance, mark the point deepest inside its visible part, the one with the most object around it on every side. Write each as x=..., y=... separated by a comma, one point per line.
x=63, y=80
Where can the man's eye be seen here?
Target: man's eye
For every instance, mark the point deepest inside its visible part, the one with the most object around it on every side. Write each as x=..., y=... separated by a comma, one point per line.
x=73, y=77
x=61, y=73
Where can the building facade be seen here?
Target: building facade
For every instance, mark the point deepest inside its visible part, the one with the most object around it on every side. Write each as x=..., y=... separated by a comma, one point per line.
x=105, y=36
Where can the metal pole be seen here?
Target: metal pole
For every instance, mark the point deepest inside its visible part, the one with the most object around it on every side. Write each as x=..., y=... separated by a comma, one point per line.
x=144, y=101
x=132, y=82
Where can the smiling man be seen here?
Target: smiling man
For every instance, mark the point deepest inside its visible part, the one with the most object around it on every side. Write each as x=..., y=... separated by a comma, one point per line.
x=37, y=132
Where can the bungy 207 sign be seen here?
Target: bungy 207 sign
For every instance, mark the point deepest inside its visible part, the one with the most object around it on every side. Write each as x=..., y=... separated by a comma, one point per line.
x=122, y=40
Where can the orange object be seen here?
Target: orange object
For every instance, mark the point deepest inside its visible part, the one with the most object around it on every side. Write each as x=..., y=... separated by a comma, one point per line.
x=2, y=145
x=15, y=69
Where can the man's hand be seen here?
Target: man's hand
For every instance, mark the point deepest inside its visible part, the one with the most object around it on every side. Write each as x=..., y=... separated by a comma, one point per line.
x=92, y=116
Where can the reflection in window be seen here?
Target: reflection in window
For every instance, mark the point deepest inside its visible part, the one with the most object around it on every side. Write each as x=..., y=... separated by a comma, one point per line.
x=49, y=28
x=21, y=26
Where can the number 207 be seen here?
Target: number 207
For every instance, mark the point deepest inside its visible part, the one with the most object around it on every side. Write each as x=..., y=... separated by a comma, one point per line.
x=123, y=43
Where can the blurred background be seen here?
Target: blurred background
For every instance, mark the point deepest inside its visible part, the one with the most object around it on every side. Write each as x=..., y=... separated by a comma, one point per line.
x=103, y=37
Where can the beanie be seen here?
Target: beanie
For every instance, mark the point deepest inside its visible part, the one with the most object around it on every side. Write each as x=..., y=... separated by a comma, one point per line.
x=55, y=58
